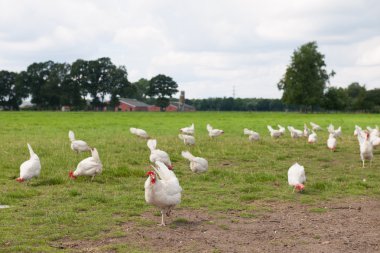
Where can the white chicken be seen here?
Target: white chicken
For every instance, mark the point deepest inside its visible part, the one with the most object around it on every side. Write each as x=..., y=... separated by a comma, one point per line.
x=214, y=132
x=306, y=131
x=331, y=142
x=162, y=189
x=281, y=129
x=188, y=130
x=374, y=131
x=158, y=155
x=252, y=135
x=274, y=133
x=187, y=139
x=295, y=133
x=374, y=136
x=139, y=132
x=297, y=177
x=78, y=145
x=357, y=128
x=366, y=148
x=30, y=168
x=91, y=166
x=312, y=138
x=197, y=164
x=315, y=127
x=337, y=133
x=375, y=140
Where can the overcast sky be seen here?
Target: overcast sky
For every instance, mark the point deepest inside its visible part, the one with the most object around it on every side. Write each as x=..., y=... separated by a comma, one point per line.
x=206, y=46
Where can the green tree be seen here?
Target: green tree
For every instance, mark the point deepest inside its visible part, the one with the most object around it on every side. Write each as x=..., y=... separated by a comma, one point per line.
x=162, y=88
x=357, y=97
x=99, y=79
x=119, y=86
x=11, y=90
x=80, y=77
x=141, y=88
x=37, y=75
x=305, y=78
x=335, y=99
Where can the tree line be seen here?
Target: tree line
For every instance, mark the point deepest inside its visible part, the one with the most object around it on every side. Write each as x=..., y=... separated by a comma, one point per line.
x=51, y=85
x=354, y=98
x=305, y=86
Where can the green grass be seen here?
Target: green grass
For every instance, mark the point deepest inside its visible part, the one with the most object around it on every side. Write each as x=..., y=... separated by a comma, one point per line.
x=52, y=207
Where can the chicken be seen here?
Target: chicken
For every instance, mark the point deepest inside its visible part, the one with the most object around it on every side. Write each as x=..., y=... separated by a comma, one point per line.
x=91, y=166
x=252, y=135
x=162, y=189
x=78, y=145
x=375, y=141
x=337, y=133
x=30, y=168
x=374, y=136
x=295, y=133
x=187, y=139
x=158, y=155
x=374, y=131
x=366, y=148
x=188, y=130
x=274, y=133
x=315, y=127
x=312, y=138
x=357, y=128
x=214, y=132
x=281, y=129
x=139, y=132
x=296, y=177
x=306, y=131
x=331, y=142
x=197, y=164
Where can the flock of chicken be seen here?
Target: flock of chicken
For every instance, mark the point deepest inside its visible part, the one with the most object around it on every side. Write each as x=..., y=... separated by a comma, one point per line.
x=162, y=188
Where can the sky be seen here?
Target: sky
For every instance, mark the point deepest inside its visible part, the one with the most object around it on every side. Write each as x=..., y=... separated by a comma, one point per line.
x=209, y=47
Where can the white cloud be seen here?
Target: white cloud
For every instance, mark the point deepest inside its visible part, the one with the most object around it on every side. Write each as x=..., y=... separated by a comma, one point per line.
x=206, y=46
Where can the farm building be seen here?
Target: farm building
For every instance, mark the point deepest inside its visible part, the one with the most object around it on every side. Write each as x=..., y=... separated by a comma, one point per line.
x=129, y=104
x=186, y=107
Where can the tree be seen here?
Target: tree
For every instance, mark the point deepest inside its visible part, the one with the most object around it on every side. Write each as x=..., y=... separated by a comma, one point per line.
x=99, y=79
x=357, y=96
x=141, y=88
x=11, y=90
x=162, y=87
x=305, y=78
x=79, y=76
x=37, y=75
x=119, y=86
x=335, y=99
x=373, y=100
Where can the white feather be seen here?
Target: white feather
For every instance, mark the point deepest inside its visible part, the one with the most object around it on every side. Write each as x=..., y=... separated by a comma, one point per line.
x=78, y=145
x=32, y=167
x=273, y=132
x=188, y=130
x=187, y=139
x=139, y=132
x=157, y=154
x=165, y=192
x=90, y=166
x=197, y=164
x=296, y=175
x=213, y=132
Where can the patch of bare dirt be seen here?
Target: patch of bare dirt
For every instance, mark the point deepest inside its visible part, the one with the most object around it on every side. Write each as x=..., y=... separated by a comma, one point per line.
x=339, y=226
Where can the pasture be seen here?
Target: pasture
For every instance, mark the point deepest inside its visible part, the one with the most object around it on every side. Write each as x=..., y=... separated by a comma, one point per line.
x=245, y=181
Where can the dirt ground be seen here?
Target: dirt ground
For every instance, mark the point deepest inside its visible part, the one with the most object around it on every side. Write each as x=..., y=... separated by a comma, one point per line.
x=338, y=226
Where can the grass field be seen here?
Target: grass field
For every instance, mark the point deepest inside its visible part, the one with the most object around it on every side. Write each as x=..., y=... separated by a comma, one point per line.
x=52, y=207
